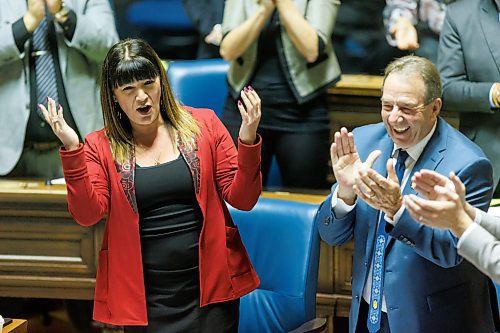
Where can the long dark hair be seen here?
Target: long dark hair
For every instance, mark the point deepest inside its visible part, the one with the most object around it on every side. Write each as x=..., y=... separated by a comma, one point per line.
x=133, y=60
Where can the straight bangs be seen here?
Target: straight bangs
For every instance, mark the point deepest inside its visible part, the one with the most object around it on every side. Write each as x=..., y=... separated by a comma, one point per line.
x=133, y=69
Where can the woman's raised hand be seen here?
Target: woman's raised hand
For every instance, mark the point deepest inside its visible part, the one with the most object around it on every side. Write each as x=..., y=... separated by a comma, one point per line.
x=54, y=117
x=250, y=115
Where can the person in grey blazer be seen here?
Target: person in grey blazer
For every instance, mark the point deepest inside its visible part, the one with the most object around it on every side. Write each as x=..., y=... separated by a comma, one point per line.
x=478, y=232
x=469, y=64
x=80, y=33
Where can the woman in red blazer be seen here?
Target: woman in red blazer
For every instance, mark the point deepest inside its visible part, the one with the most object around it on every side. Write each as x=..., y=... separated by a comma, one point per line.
x=171, y=258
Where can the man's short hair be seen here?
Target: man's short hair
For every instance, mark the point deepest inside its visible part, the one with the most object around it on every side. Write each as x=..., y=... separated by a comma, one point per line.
x=413, y=65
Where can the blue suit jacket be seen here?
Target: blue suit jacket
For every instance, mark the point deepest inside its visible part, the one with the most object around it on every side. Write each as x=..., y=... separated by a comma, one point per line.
x=428, y=286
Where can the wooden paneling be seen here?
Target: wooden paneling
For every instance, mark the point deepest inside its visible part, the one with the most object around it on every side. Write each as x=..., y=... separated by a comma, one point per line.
x=43, y=252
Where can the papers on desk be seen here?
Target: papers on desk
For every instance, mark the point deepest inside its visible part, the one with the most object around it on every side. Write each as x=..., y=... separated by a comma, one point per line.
x=56, y=181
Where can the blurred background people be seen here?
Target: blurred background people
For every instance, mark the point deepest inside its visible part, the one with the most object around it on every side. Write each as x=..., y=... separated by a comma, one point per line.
x=414, y=25
x=165, y=265
x=469, y=63
x=478, y=232
x=49, y=48
x=206, y=16
x=359, y=38
x=283, y=49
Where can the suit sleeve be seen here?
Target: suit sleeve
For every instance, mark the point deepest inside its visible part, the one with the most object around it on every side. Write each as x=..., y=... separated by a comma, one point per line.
x=8, y=48
x=459, y=94
x=439, y=245
x=482, y=249
x=332, y=230
x=95, y=30
x=237, y=172
x=87, y=184
x=490, y=223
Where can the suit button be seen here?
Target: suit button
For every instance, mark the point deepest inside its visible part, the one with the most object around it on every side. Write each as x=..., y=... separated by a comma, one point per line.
x=357, y=297
x=327, y=220
x=366, y=263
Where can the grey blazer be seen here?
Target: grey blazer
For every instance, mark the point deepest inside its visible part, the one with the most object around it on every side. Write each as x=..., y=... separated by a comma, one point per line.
x=306, y=78
x=482, y=246
x=80, y=62
x=469, y=63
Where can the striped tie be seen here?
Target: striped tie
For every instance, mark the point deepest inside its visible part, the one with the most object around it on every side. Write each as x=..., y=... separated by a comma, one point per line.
x=45, y=74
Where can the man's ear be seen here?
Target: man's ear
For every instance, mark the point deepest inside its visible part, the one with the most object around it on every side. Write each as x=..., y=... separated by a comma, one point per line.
x=436, y=108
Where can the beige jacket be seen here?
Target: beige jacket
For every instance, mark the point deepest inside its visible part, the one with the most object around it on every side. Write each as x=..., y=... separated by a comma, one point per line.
x=307, y=79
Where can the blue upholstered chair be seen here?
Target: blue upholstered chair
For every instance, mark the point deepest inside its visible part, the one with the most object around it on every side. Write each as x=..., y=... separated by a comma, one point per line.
x=283, y=244
x=202, y=83
x=199, y=83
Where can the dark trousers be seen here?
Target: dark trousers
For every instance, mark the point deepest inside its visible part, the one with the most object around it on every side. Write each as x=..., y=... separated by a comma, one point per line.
x=361, y=326
x=302, y=157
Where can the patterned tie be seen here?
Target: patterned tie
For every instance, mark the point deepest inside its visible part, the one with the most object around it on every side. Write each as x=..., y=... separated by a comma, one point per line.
x=373, y=321
x=45, y=74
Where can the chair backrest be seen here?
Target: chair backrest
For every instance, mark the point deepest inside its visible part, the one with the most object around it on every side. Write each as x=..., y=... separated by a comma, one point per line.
x=283, y=243
x=199, y=83
x=203, y=83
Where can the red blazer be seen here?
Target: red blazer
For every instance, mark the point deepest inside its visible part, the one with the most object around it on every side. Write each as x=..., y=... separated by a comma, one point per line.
x=97, y=185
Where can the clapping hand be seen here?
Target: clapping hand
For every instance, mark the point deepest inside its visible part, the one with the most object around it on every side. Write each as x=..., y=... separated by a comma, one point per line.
x=405, y=34
x=446, y=206
x=250, y=115
x=346, y=164
x=378, y=191
x=54, y=117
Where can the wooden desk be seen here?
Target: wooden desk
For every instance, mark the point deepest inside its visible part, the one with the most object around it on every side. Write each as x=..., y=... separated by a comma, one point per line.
x=17, y=326
x=44, y=253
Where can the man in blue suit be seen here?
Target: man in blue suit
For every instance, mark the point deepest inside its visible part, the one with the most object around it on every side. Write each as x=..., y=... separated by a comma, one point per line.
x=414, y=281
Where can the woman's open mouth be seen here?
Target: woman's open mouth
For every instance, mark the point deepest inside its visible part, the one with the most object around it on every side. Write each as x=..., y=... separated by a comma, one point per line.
x=144, y=109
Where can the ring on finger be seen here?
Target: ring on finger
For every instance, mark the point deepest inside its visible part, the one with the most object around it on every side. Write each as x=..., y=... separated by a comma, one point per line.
x=420, y=218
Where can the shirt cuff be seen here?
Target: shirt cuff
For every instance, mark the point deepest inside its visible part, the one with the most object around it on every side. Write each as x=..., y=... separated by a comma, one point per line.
x=21, y=34
x=466, y=233
x=396, y=217
x=339, y=207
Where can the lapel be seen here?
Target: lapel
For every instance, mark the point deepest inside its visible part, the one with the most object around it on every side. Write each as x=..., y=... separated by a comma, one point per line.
x=430, y=158
x=488, y=18
x=432, y=154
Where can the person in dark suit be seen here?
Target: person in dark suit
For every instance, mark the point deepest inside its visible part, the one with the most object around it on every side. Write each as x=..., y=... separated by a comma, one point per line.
x=469, y=63
x=406, y=277
x=206, y=16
